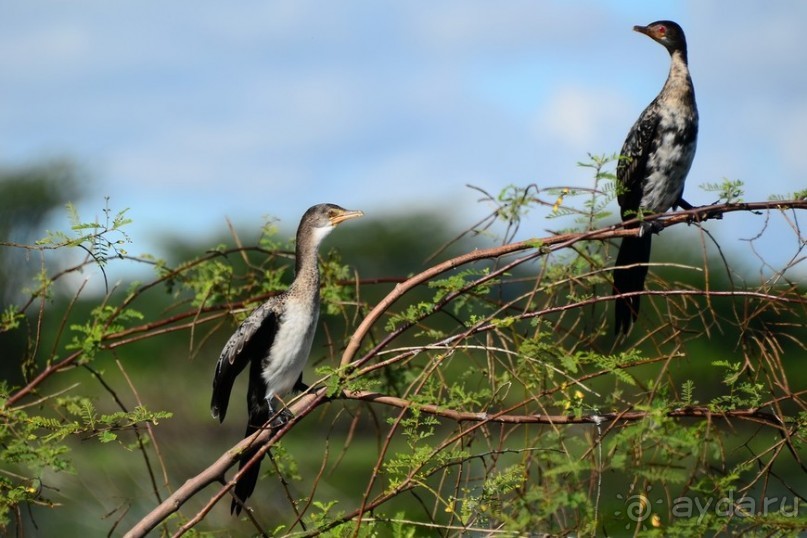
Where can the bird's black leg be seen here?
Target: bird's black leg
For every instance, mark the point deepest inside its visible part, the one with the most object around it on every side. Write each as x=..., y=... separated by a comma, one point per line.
x=299, y=386
x=683, y=204
x=686, y=206
x=280, y=417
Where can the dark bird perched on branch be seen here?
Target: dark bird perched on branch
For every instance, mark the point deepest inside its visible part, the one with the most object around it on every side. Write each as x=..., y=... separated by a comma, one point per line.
x=654, y=163
x=275, y=341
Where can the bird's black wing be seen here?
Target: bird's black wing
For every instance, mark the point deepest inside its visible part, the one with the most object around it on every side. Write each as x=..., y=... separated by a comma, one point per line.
x=632, y=166
x=631, y=170
x=253, y=337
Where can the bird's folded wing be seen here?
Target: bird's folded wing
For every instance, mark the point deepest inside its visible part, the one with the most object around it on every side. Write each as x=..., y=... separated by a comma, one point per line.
x=253, y=335
x=635, y=151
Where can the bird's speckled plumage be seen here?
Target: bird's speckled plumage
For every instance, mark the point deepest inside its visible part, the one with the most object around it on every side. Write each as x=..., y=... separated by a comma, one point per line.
x=275, y=339
x=656, y=158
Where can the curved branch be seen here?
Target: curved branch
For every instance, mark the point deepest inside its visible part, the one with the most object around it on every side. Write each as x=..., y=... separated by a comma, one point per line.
x=551, y=244
x=306, y=403
x=595, y=418
x=264, y=438
x=546, y=245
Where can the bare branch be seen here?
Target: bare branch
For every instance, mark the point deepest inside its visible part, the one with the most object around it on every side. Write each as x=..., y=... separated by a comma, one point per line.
x=305, y=404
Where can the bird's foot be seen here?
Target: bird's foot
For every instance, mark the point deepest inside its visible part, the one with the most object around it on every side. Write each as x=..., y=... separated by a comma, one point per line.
x=653, y=227
x=692, y=219
x=686, y=206
x=709, y=215
x=281, y=418
x=714, y=214
x=278, y=418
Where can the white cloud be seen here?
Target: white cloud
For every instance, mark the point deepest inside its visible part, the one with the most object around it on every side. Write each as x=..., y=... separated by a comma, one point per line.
x=201, y=109
x=580, y=117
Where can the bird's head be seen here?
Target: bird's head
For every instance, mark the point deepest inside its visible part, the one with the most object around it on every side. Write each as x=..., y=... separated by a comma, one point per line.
x=322, y=218
x=667, y=33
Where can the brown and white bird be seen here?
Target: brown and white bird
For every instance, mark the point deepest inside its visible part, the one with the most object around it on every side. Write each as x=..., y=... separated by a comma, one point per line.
x=275, y=340
x=655, y=160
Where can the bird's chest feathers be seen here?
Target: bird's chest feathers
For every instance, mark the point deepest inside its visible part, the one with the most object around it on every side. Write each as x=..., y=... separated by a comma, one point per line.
x=291, y=346
x=670, y=160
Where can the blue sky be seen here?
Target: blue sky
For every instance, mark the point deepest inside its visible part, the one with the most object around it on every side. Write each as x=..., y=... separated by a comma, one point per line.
x=193, y=112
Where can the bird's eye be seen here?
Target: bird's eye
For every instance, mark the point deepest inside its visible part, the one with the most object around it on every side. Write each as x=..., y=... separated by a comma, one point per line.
x=662, y=30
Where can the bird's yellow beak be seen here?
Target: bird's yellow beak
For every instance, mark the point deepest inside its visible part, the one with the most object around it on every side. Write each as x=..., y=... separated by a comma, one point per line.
x=344, y=215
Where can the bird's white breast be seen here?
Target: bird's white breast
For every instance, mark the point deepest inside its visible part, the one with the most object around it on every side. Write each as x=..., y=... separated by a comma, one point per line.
x=669, y=164
x=291, y=347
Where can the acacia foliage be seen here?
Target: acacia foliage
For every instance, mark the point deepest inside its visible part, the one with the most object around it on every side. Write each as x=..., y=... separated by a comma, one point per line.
x=482, y=392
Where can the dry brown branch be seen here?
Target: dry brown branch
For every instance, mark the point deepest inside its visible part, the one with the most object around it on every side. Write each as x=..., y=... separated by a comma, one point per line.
x=307, y=403
x=544, y=245
x=527, y=358
x=549, y=244
x=215, y=472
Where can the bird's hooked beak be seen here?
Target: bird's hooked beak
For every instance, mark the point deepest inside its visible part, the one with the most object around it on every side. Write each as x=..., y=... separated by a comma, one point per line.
x=650, y=31
x=345, y=214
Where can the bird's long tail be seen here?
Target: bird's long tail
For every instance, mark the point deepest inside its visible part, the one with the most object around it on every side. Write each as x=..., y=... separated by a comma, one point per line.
x=246, y=484
x=632, y=251
x=259, y=411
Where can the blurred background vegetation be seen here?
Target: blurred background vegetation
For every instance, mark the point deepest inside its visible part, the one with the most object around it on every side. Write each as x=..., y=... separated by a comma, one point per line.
x=95, y=466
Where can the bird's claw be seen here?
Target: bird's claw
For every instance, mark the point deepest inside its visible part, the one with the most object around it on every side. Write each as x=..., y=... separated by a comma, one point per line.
x=279, y=418
x=709, y=215
x=653, y=227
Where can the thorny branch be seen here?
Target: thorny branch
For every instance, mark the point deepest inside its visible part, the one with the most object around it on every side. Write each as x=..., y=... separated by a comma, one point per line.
x=305, y=404
x=767, y=414
x=551, y=244
x=543, y=246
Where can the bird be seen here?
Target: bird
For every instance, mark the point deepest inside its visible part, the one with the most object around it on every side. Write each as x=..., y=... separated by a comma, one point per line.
x=275, y=341
x=653, y=166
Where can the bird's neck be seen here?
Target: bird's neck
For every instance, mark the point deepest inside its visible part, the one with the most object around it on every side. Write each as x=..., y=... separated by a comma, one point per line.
x=679, y=83
x=306, y=267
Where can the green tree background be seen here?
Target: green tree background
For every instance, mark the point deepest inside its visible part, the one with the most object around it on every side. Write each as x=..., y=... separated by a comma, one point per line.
x=483, y=395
